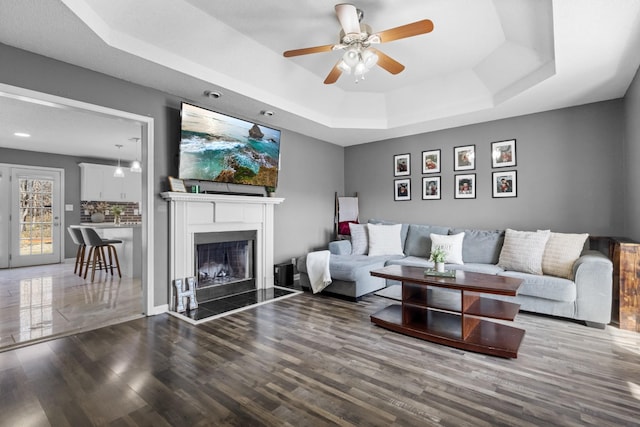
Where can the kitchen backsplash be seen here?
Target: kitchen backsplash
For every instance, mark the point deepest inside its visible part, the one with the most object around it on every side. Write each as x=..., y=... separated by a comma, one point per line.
x=131, y=211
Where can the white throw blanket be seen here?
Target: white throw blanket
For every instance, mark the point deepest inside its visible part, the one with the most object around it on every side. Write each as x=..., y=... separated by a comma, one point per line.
x=318, y=270
x=348, y=209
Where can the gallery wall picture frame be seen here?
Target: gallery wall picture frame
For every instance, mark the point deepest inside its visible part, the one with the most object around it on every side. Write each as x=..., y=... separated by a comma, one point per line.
x=464, y=157
x=465, y=186
x=402, y=189
x=504, y=184
x=402, y=165
x=177, y=185
x=431, y=189
x=503, y=154
x=431, y=161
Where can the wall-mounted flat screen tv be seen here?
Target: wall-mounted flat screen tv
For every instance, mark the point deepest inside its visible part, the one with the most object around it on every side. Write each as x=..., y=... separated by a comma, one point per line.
x=216, y=147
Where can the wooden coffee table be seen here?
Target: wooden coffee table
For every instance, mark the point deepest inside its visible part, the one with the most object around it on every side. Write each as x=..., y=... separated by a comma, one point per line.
x=453, y=316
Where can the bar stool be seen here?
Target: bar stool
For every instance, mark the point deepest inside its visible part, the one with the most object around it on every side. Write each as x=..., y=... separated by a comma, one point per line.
x=76, y=236
x=97, y=253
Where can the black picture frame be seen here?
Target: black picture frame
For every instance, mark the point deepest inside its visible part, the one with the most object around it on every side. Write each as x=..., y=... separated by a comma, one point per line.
x=402, y=189
x=431, y=188
x=465, y=186
x=503, y=154
x=431, y=161
x=402, y=164
x=464, y=157
x=504, y=184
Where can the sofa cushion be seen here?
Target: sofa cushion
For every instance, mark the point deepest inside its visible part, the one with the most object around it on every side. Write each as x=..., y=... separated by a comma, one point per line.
x=561, y=252
x=522, y=250
x=418, y=241
x=480, y=246
x=359, y=239
x=403, y=231
x=452, y=245
x=547, y=287
x=349, y=267
x=385, y=239
x=414, y=261
x=340, y=247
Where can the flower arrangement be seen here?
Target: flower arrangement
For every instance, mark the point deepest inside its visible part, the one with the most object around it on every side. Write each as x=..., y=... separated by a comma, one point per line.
x=438, y=255
x=99, y=207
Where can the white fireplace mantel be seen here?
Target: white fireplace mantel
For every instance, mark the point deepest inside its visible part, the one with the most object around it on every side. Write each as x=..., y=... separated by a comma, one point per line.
x=192, y=213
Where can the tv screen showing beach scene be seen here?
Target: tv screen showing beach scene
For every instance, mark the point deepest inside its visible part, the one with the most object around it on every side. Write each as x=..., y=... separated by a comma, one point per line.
x=220, y=148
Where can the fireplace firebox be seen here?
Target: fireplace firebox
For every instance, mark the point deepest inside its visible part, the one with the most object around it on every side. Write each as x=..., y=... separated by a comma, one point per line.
x=224, y=264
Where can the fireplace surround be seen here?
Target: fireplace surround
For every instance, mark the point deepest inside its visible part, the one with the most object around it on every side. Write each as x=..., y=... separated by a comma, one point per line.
x=195, y=216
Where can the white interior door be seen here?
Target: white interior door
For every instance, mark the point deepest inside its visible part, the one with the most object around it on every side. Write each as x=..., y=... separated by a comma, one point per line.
x=35, y=222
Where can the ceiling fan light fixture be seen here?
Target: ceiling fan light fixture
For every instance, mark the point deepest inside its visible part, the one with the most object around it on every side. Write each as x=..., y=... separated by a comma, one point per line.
x=344, y=67
x=351, y=57
x=369, y=58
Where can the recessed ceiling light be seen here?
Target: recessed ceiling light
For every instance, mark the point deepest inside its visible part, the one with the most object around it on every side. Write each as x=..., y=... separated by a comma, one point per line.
x=213, y=94
x=267, y=113
x=22, y=134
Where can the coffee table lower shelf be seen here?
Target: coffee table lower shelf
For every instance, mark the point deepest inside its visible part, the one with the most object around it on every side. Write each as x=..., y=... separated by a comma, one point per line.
x=446, y=328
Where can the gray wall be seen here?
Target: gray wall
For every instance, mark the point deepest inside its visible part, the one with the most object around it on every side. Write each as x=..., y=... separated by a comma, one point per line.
x=312, y=169
x=312, y=172
x=632, y=158
x=71, y=181
x=569, y=165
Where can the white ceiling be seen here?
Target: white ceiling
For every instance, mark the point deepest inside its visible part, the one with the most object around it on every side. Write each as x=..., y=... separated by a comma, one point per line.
x=485, y=59
x=63, y=130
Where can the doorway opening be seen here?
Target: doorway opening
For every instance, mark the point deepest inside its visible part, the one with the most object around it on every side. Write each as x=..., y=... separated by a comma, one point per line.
x=42, y=226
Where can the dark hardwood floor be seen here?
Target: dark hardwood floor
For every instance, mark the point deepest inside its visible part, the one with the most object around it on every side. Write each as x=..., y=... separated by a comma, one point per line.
x=312, y=361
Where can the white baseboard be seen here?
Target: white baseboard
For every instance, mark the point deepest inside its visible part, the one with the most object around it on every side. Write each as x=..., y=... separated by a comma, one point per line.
x=159, y=309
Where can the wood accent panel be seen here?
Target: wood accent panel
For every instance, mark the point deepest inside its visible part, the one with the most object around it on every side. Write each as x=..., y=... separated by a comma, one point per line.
x=625, y=255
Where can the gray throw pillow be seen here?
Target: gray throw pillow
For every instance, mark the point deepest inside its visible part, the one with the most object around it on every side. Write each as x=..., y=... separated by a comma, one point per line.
x=359, y=239
x=480, y=246
x=419, y=239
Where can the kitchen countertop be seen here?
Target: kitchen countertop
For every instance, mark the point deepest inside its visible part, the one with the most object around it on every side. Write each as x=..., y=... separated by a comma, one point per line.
x=110, y=225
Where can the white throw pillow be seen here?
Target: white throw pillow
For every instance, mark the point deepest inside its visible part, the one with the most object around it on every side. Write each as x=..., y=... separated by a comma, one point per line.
x=359, y=239
x=385, y=239
x=452, y=245
x=523, y=250
x=561, y=252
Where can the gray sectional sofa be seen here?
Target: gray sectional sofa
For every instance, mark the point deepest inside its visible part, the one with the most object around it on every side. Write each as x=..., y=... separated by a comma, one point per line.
x=588, y=297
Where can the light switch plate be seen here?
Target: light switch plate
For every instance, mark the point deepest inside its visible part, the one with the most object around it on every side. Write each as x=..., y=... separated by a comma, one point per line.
x=68, y=208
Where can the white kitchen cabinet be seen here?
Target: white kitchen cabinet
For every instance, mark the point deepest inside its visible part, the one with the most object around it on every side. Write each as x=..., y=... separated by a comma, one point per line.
x=97, y=183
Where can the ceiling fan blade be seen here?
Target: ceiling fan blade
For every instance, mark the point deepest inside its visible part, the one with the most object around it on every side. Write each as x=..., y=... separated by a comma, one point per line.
x=308, y=50
x=334, y=75
x=404, y=31
x=388, y=63
x=348, y=17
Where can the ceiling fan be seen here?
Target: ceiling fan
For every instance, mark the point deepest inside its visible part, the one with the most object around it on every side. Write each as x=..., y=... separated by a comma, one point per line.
x=356, y=40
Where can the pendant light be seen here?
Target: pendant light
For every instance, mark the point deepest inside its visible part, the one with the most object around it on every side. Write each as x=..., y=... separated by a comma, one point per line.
x=118, y=173
x=136, y=166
